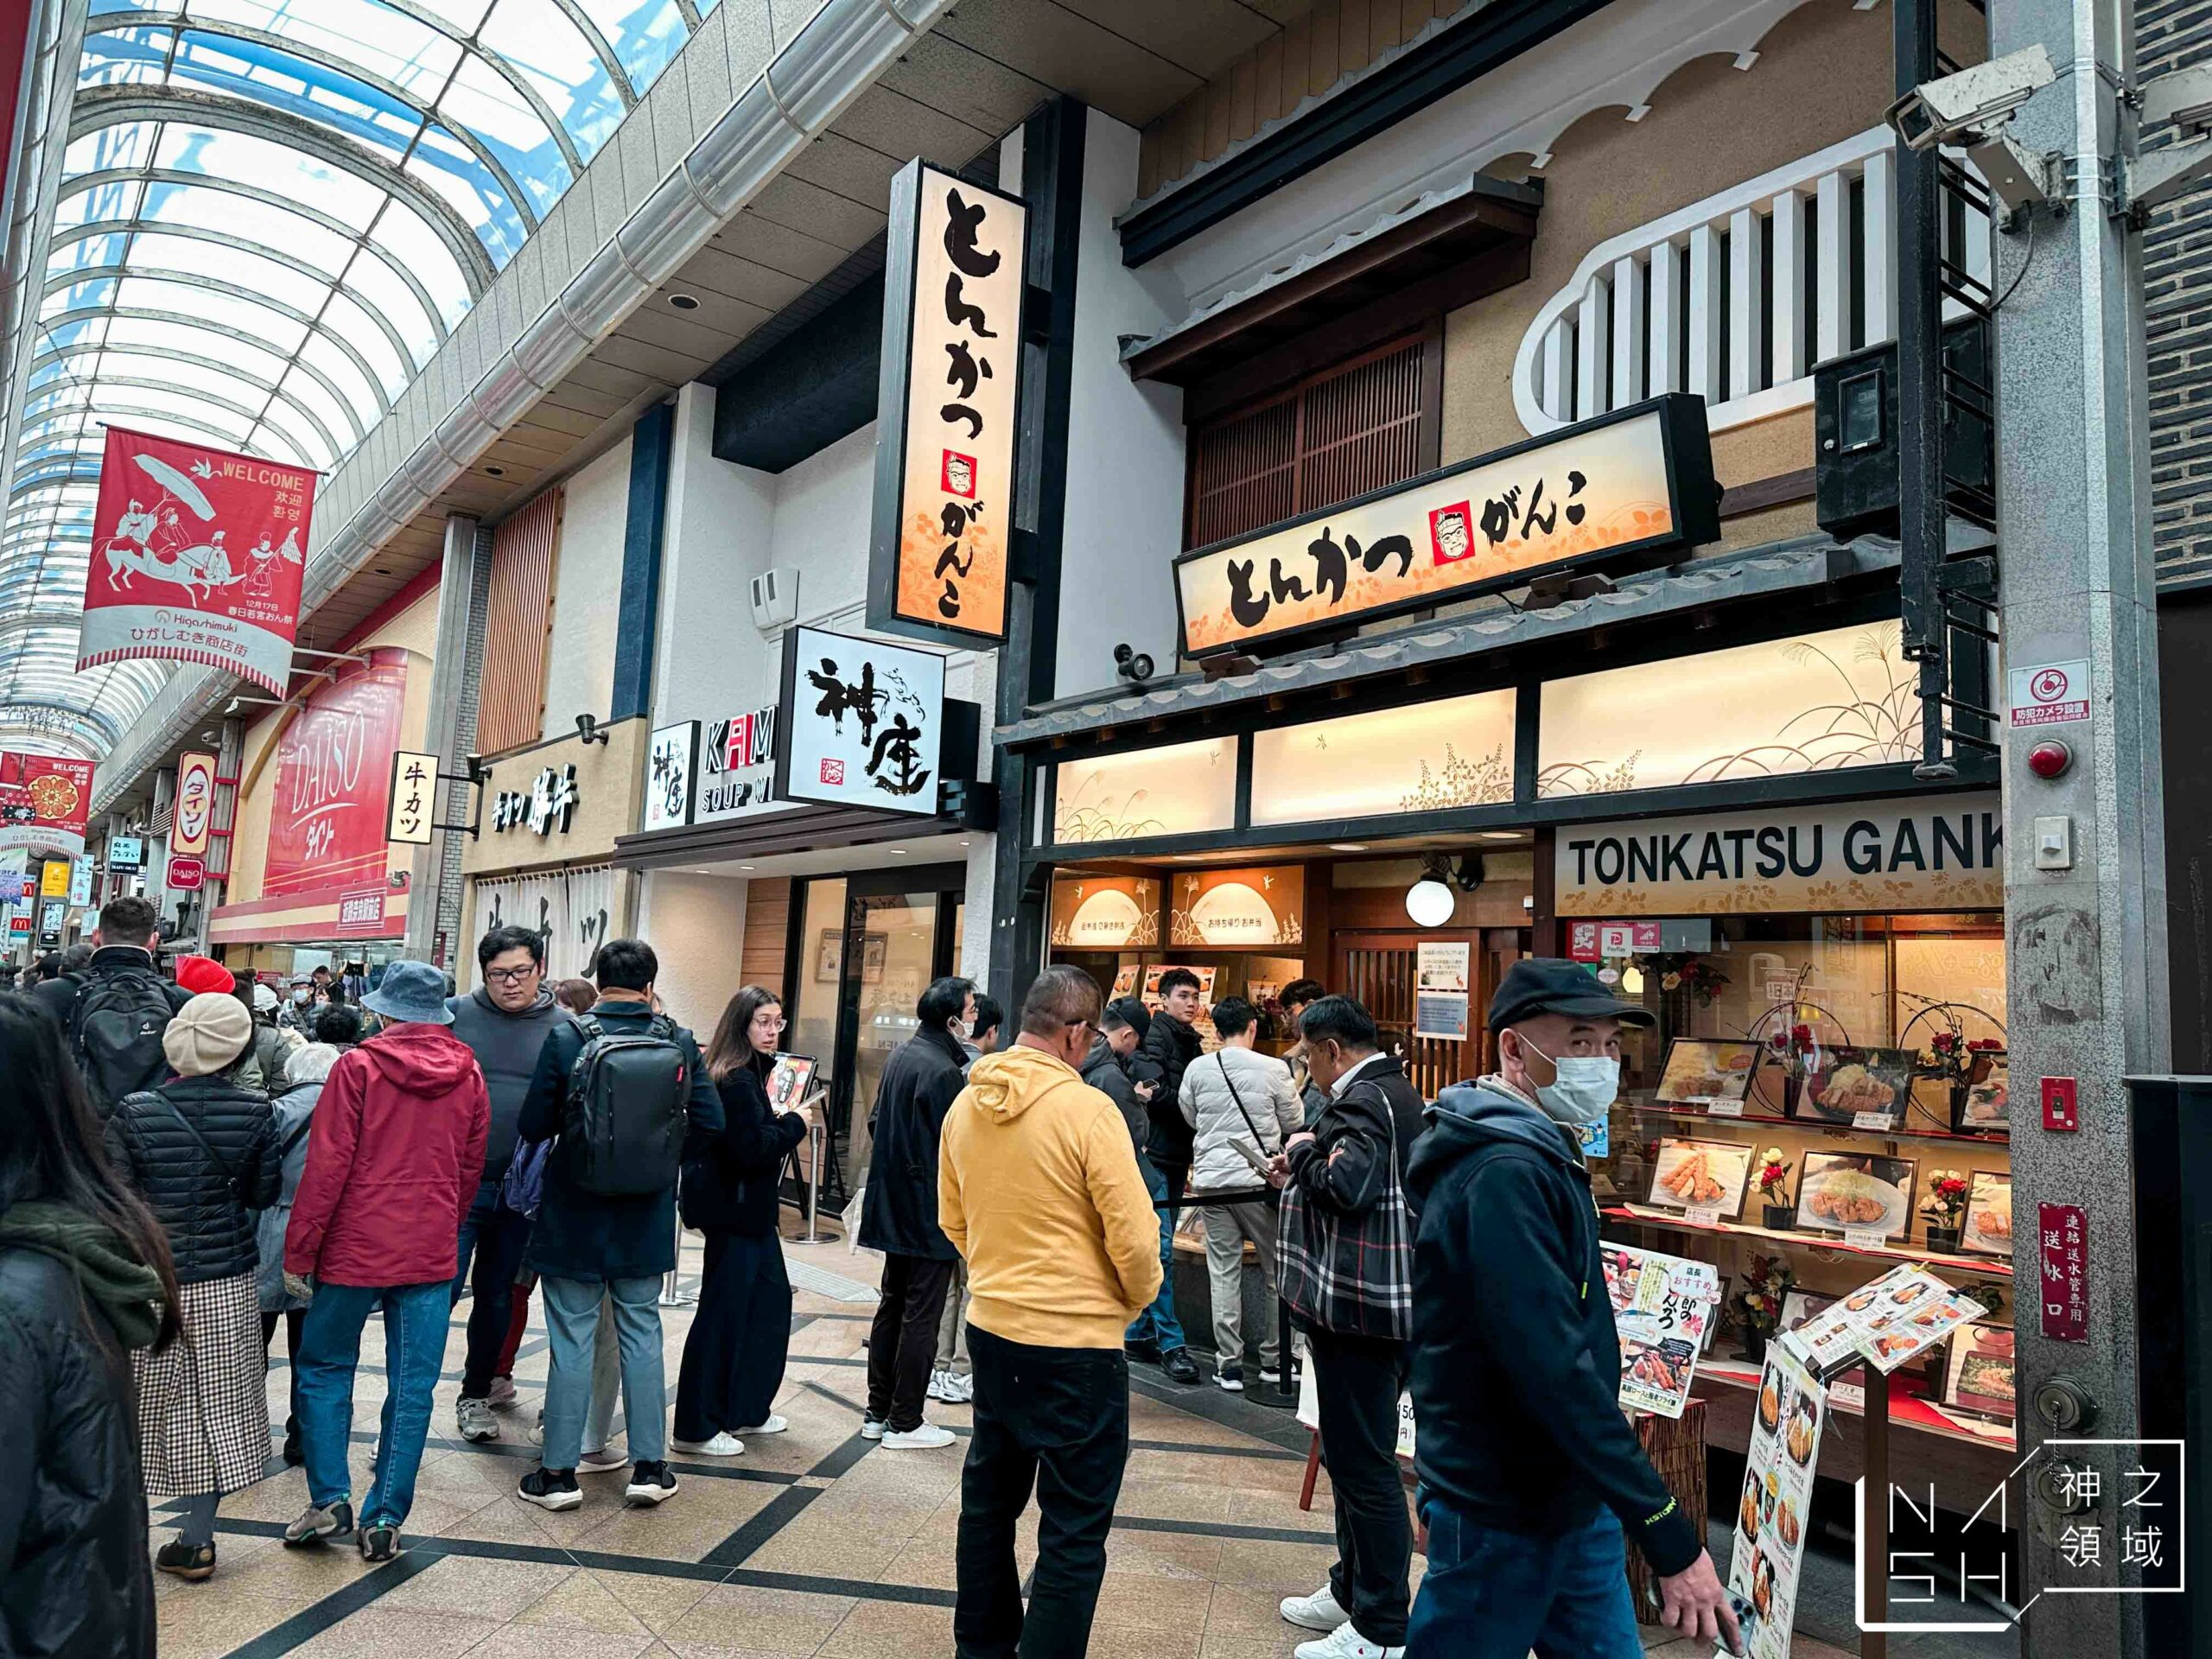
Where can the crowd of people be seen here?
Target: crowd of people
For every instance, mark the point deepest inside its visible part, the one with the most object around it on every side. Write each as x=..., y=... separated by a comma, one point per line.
x=188, y=1163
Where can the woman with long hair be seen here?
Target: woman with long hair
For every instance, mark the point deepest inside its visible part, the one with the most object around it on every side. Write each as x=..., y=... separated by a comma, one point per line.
x=84, y=1282
x=733, y=1356
x=203, y=1150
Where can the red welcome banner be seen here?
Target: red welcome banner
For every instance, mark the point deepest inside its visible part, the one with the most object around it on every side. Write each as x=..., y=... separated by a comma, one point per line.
x=333, y=780
x=44, y=801
x=197, y=556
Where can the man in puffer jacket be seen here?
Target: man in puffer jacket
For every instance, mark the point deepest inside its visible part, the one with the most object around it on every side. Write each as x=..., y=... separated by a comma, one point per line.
x=1238, y=1097
x=393, y=1161
x=295, y=1110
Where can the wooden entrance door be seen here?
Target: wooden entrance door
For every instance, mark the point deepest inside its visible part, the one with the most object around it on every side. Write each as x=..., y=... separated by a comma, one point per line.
x=1378, y=970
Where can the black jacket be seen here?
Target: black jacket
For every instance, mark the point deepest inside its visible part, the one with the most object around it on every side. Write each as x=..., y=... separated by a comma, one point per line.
x=1103, y=1071
x=205, y=1204
x=506, y=1048
x=1360, y=1120
x=75, y=1576
x=58, y=996
x=1516, y=1364
x=899, y=1213
x=1168, y=1046
x=580, y=1234
x=730, y=1180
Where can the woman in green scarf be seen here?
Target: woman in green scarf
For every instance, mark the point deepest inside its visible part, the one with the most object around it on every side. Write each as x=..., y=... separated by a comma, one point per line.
x=84, y=1278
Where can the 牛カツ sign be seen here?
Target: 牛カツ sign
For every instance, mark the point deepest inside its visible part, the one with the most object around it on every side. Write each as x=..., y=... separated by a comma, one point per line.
x=944, y=444
x=1946, y=852
x=1622, y=492
x=197, y=556
x=863, y=722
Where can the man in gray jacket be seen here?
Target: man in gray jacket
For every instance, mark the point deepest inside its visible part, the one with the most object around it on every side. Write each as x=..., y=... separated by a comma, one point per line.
x=1106, y=1068
x=505, y=1021
x=1241, y=1107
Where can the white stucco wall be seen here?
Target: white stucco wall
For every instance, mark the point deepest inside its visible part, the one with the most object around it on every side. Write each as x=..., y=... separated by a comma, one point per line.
x=588, y=593
x=697, y=926
x=716, y=538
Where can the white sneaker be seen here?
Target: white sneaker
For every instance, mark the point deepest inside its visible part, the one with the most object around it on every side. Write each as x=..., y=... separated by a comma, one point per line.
x=599, y=1462
x=502, y=1395
x=476, y=1422
x=724, y=1444
x=918, y=1438
x=1318, y=1612
x=1345, y=1643
x=771, y=1425
x=872, y=1428
x=951, y=1388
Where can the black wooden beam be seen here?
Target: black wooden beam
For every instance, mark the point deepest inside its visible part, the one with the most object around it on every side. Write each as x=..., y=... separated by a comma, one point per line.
x=1489, y=39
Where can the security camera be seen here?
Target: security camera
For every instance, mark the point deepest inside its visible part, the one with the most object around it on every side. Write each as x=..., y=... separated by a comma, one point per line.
x=1132, y=665
x=1970, y=111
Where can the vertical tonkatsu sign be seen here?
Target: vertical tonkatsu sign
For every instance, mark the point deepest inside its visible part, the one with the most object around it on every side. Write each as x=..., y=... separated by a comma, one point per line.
x=945, y=440
x=1619, y=493
x=197, y=556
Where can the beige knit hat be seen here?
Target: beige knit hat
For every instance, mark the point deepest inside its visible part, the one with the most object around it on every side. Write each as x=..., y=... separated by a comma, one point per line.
x=207, y=1034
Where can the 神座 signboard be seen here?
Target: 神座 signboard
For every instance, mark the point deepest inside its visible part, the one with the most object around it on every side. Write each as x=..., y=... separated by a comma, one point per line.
x=863, y=722
x=944, y=446
x=1943, y=853
x=330, y=812
x=1618, y=492
x=44, y=801
x=197, y=556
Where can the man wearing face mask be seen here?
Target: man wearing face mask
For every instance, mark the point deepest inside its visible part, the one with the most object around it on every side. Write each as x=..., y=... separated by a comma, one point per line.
x=1532, y=1481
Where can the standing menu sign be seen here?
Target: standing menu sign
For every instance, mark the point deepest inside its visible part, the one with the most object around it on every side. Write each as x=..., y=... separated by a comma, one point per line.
x=1787, y=1420
x=863, y=722
x=943, y=517
x=197, y=557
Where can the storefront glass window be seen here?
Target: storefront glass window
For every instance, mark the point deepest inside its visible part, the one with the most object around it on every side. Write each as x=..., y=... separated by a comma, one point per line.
x=813, y=1019
x=1820, y=702
x=1181, y=789
x=1423, y=758
x=898, y=940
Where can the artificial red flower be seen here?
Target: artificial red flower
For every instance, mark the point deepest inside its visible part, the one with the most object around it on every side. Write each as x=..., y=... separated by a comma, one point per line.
x=1945, y=1041
x=1801, y=1035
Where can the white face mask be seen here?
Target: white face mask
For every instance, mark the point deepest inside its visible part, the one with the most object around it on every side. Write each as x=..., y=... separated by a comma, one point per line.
x=1587, y=1084
x=957, y=1029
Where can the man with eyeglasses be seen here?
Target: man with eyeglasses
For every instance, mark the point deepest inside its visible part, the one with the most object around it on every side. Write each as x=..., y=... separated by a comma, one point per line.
x=504, y=1022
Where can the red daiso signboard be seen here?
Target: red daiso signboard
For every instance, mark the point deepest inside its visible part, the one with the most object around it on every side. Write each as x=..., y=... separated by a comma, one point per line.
x=197, y=557
x=334, y=781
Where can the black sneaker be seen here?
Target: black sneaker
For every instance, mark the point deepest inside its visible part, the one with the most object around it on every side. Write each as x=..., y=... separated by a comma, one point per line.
x=1142, y=1353
x=188, y=1561
x=379, y=1543
x=1178, y=1366
x=1231, y=1377
x=295, y=1453
x=550, y=1489
x=650, y=1483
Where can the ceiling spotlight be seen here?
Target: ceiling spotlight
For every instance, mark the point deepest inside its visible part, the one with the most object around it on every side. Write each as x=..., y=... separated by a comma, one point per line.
x=495, y=471
x=683, y=302
x=1347, y=846
x=1134, y=665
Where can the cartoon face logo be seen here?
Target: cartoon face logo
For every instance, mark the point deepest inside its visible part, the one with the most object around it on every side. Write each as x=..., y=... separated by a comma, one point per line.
x=959, y=477
x=1449, y=532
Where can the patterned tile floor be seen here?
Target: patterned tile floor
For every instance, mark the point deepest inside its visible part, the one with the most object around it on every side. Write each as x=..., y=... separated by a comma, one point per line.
x=814, y=1542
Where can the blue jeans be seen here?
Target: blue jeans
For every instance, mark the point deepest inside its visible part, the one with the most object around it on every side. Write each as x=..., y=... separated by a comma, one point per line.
x=1492, y=1594
x=494, y=1238
x=1157, y=1324
x=571, y=1328
x=330, y=1348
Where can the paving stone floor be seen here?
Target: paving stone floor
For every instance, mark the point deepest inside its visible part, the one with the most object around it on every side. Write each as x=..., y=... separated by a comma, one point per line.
x=814, y=1542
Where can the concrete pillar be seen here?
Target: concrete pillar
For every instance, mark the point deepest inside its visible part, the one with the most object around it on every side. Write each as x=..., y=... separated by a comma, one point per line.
x=433, y=877
x=2086, y=942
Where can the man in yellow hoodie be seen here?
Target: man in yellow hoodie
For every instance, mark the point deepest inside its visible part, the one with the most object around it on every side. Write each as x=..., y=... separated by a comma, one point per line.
x=1037, y=1188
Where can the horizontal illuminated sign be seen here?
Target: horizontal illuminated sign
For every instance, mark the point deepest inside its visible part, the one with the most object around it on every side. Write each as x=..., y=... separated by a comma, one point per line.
x=1622, y=492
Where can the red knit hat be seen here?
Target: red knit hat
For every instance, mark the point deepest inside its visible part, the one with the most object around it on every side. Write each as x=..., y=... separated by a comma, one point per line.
x=203, y=975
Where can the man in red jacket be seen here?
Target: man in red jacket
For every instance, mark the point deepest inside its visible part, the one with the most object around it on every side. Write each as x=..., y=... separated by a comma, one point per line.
x=393, y=1160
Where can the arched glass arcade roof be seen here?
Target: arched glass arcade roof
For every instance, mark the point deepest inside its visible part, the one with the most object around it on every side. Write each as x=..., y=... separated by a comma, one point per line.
x=272, y=213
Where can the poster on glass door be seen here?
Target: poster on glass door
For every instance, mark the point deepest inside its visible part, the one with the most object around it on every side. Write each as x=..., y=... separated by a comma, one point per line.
x=1440, y=997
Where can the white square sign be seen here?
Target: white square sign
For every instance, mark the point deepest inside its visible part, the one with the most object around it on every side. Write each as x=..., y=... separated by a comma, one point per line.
x=863, y=720
x=2049, y=693
x=670, y=769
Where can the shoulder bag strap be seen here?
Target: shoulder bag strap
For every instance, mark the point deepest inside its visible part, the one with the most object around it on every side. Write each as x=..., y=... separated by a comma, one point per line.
x=1259, y=1140
x=230, y=1181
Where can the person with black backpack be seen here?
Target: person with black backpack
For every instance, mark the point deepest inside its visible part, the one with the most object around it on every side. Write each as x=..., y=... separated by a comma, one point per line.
x=113, y=1013
x=619, y=1087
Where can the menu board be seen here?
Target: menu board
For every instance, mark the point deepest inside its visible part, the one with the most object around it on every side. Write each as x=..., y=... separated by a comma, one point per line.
x=1664, y=1309
x=788, y=1083
x=1901, y=1314
x=1771, y=1514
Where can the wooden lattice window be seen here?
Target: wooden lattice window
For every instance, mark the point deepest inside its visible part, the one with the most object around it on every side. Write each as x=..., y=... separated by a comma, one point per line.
x=1357, y=426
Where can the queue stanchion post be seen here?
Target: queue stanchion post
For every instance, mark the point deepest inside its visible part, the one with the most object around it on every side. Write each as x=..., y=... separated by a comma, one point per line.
x=818, y=1144
x=671, y=1290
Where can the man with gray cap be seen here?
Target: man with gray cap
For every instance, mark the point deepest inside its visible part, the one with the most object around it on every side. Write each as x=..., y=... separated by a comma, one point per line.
x=1532, y=1482
x=394, y=1155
